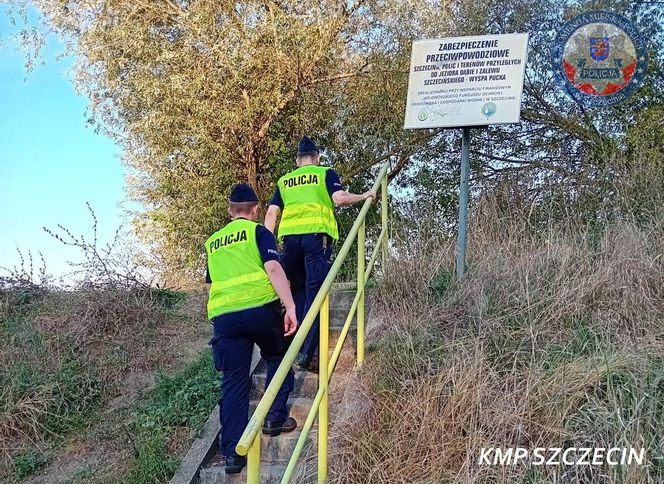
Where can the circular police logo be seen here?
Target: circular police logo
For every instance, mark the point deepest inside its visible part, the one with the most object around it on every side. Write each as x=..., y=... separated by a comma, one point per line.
x=599, y=58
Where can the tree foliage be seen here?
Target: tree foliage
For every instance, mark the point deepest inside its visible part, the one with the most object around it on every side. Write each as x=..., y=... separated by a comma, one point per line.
x=204, y=93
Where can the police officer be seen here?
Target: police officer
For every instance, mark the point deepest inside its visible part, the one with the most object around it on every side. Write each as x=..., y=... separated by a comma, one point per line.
x=307, y=196
x=246, y=282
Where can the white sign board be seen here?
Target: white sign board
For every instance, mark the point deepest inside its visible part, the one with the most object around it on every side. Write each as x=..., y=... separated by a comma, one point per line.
x=466, y=81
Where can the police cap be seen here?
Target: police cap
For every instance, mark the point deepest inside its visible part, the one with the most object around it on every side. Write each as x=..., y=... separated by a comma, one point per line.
x=243, y=193
x=306, y=147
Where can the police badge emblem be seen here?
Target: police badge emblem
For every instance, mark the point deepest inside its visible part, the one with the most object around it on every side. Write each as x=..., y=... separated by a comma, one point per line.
x=599, y=58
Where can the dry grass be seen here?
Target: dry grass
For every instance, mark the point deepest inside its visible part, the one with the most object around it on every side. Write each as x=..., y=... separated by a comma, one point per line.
x=555, y=339
x=66, y=354
x=92, y=315
x=69, y=354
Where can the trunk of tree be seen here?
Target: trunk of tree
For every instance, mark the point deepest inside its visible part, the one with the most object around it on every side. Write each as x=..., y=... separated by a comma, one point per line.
x=250, y=169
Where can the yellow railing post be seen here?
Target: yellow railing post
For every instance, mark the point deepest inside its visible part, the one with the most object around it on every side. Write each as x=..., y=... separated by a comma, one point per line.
x=254, y=462
x=323, y=382
x=383, y=217
x=360, y=291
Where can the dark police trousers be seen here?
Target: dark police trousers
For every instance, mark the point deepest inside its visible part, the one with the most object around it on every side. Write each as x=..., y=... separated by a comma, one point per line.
x=307, y=260
x=232, y=346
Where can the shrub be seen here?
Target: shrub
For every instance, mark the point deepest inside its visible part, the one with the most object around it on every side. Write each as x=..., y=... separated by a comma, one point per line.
x=21, y=288
x=28, y=462
x=182, y=401
x=152, y=464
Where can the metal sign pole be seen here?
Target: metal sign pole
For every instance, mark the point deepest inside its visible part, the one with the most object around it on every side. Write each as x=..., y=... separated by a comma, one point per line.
x=463, y=204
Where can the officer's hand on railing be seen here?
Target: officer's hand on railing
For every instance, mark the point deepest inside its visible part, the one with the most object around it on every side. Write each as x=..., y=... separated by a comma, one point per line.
x=290, y=321
x=370, y=194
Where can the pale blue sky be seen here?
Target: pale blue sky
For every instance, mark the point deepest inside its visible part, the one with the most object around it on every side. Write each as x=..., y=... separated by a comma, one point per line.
x=51, y=160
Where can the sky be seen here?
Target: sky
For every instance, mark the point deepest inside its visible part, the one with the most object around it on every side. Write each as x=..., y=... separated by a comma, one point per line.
x=51, y=160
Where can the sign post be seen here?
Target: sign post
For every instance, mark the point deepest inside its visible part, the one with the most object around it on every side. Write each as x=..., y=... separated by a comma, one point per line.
x=465, y=82
x=463, y=204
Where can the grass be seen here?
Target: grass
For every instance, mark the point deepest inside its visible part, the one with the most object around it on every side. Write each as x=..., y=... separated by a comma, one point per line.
x=554, y=339
x=49, y=390
x=66, y=358
x=28, y=462
x=180, y=402
x=183, y=399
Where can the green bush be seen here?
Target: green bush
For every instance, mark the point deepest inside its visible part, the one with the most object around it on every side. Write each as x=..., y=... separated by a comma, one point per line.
x=153, y=463
x=180, y=401
x=167, y=298
x=183, y=399
x=441, y=283
x=28, y=462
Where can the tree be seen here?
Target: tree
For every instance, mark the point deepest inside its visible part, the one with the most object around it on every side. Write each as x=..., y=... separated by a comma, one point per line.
x=204, y=93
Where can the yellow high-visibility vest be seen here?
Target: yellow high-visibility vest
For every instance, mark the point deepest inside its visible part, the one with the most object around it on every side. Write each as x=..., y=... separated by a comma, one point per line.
x=308, y=207
x=239, y=280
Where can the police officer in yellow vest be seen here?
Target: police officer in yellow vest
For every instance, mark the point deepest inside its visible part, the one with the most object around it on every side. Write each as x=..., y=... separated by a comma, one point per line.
x=246, y=283
x=308, y=228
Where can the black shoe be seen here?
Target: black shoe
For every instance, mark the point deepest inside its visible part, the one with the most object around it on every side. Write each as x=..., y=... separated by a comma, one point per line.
x=275, y=428
x=309, y=365
x=312, y=367
x=235, y=463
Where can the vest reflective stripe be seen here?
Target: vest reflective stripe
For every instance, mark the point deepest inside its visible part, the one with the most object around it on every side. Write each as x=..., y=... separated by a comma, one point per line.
x=308, y=207
x=239, y=280
x=241, y=296
x=256, y=276
x=308, y=214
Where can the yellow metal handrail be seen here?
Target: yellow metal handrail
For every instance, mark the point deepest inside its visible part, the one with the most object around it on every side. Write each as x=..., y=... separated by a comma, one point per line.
x=249, y=443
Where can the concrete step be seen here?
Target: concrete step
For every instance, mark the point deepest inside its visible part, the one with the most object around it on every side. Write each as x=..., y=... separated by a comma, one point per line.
x=350, y=337
x=340, y=303
x=342, y=298
x=338, y=317
x=299, y=408
x=274, y=450
x=277, y=450
x=306, y=385
x=334, y=337
x=349, y=345
x=270, y=474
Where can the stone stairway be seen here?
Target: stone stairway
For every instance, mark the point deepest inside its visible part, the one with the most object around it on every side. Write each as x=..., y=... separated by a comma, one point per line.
x=276, y=451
